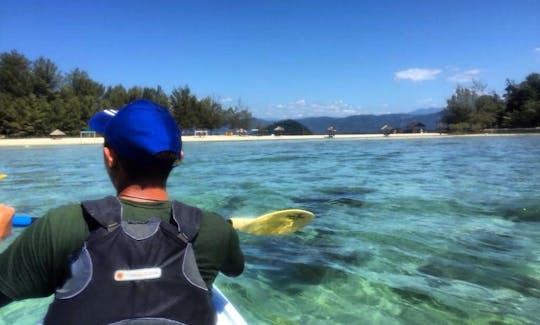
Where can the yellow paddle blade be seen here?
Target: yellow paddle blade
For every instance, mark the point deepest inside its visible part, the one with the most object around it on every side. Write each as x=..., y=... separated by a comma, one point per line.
x=274, y=223
x=2, y=176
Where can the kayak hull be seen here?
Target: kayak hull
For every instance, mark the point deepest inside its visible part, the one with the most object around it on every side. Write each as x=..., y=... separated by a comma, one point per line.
x=227, y=314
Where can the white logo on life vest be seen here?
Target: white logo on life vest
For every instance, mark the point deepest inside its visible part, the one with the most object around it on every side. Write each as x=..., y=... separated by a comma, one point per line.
x=138, y=274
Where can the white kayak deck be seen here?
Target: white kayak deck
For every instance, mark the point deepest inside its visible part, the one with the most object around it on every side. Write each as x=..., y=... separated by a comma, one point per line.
x=226, y=312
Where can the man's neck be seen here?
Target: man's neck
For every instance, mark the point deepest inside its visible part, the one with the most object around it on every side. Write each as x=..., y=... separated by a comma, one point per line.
x=147, y=194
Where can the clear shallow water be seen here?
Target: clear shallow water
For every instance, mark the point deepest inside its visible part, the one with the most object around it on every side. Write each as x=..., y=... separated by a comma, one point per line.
x=413, y=231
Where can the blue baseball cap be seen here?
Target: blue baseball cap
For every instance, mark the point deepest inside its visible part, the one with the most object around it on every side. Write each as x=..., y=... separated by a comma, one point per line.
x=139, y=130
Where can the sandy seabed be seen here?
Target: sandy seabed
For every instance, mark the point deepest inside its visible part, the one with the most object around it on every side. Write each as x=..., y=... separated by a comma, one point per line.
x=28, y=142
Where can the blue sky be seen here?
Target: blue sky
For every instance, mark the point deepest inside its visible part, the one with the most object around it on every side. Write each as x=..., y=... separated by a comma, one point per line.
x=286, y=59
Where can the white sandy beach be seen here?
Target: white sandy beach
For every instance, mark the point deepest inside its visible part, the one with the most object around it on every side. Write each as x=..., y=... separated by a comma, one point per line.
x=28, y=142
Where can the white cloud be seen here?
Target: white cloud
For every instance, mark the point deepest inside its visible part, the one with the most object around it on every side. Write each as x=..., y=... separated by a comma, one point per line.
x=465, y=76
x=425, y=101
x=301, y=108
x=537, y=50
x=417, y=74
x=301, y=102
x=226, y=100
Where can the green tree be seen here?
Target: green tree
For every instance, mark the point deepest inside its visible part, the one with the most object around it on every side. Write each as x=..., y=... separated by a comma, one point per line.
x=489, y=110
x=523, y=102
x=184, y=108
x=35, y=116
x=15, y=74
x=460, y=106
x=115, y=97
x=46, y=78
x=156, y=95
x=23, y=116
x=134, y=93
x=74, y=108
x=210, y=114
x=236, y=118
x=58, y=117
x=467, y=110
x=36, y=98
x=8, y=114
x=81, y=84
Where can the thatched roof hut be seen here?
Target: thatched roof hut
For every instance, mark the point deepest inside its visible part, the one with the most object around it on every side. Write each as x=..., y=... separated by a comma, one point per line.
x=387, y=129
x=57, y=134
x=279, y=130
x=331, y=131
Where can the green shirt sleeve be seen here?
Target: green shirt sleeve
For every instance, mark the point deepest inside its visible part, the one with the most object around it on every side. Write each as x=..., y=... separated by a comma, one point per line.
x=217, y=248
x=37, y=262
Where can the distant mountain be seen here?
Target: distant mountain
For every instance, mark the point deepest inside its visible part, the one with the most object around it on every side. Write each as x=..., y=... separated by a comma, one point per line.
x=369, y=123
x=257, y=122
x=426, y=111
x=366, y=123
x=286, y=127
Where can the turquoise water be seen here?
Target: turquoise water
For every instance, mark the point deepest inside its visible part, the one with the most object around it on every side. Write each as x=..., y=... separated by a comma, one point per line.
x=412, y=231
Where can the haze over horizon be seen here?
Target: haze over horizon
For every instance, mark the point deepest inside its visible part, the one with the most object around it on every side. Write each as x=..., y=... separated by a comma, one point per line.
x=417, y=113
x=286, y=59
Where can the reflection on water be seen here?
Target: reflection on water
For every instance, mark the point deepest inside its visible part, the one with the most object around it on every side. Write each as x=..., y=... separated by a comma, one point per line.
x=426, y=231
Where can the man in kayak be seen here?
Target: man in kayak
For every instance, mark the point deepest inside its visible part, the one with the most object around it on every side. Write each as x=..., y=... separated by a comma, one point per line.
x=134, y=256
x=6, y=214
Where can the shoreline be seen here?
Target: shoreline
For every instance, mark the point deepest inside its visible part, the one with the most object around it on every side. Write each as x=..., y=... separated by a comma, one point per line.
x=27, y=142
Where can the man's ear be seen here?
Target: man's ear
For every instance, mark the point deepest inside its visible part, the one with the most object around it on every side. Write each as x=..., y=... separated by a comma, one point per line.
x=178, y=161
x=109, y=157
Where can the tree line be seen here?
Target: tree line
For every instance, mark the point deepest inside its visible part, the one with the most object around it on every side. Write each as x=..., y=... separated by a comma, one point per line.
x=472, y=110
x=36, y=98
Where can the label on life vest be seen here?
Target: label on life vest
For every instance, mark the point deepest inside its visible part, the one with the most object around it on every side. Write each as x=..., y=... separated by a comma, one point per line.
x=138, y=274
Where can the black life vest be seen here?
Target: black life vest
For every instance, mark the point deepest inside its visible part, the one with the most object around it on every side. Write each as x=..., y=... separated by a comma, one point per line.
x=135, y=273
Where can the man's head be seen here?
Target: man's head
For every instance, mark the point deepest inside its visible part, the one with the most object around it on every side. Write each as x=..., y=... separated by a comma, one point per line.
x=144, y=139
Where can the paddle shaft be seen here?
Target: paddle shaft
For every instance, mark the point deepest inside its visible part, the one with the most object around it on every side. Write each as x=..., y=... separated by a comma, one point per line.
x=21, y=220
x=274, y=223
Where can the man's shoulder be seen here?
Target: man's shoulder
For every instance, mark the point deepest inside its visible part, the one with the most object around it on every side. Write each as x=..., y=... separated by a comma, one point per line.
x=213, y=223
x=213, y=217
x=73, y=209
x=67, y=208
x=67, y=215
x=208, y=217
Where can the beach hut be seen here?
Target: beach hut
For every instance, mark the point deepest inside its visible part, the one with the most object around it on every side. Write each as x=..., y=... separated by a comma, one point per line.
x=331, y=132
x=279, y=130
x=57, y=134
x=387, y=129
x=416, y=127
x=200, y=133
